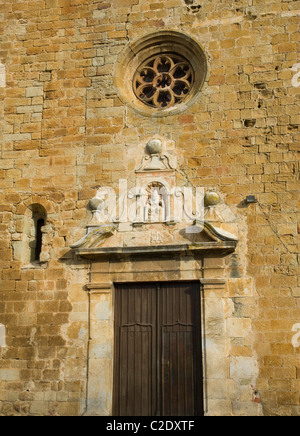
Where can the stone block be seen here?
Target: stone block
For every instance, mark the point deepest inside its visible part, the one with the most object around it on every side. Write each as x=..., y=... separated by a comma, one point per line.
x=239, y=327
x=9, y=374
x=243, y=368
x=241, y=287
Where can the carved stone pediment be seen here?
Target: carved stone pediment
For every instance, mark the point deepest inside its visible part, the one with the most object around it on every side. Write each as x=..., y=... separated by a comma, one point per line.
x=218, y=234
x=155, y=160
x=155, y=163
x=156, y=239
x=155, y=216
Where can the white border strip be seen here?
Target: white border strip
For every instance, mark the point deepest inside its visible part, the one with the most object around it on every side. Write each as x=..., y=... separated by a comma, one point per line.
x=2, y=76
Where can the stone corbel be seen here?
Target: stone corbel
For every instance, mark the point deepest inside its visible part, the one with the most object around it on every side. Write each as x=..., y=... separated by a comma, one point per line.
x=214, y=284
x=99, y=288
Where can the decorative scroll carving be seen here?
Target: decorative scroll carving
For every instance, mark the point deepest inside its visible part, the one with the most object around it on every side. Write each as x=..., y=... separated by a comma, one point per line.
x=95, y=238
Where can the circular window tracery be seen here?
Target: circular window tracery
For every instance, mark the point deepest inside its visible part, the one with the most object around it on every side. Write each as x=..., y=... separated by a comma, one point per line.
x=161, y=74
x=163, y=81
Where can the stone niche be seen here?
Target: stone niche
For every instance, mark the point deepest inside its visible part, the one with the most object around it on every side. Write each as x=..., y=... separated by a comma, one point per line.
x=146, y=241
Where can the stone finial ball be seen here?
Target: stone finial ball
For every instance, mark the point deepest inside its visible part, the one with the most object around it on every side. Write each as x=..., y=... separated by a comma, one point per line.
x=212, y=199
x=154, y=147
x=95, y=202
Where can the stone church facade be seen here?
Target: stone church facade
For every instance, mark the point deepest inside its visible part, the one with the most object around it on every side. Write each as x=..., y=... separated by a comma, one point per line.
x=149, y=207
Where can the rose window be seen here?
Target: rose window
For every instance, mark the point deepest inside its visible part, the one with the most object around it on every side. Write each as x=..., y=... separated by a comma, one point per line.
x=163, y=81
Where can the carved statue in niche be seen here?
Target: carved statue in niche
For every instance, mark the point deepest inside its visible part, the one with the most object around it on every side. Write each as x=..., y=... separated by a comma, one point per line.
x=157, y=204
x=154, y=208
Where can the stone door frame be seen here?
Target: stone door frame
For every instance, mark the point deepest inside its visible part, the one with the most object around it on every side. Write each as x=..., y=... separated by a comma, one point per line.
x=104, y=272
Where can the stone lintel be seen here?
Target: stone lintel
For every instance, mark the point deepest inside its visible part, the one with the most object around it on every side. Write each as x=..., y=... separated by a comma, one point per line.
x=207, y=249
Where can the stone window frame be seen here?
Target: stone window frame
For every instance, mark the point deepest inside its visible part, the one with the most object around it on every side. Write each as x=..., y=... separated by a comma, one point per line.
x=33, y=233
x=155, y=44
x=27, y=216
x=39, y=217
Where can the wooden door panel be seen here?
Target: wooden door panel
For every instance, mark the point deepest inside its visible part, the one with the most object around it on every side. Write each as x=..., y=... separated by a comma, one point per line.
x=178, y=373
x=158, y=358
x=135, y=351
x=136, y=369
x=181, y=360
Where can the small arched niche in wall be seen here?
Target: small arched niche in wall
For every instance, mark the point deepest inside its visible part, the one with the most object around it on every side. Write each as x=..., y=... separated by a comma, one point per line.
x=29, y=249
x=38, y=221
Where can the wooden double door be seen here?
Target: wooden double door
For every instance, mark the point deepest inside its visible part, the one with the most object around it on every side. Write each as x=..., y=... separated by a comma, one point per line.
x=158, y=356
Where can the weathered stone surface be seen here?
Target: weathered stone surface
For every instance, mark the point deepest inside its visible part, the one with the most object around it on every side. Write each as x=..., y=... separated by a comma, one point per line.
x=65, y=132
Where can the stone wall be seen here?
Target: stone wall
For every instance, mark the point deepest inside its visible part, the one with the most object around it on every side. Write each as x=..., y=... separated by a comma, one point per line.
x=65, y=131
